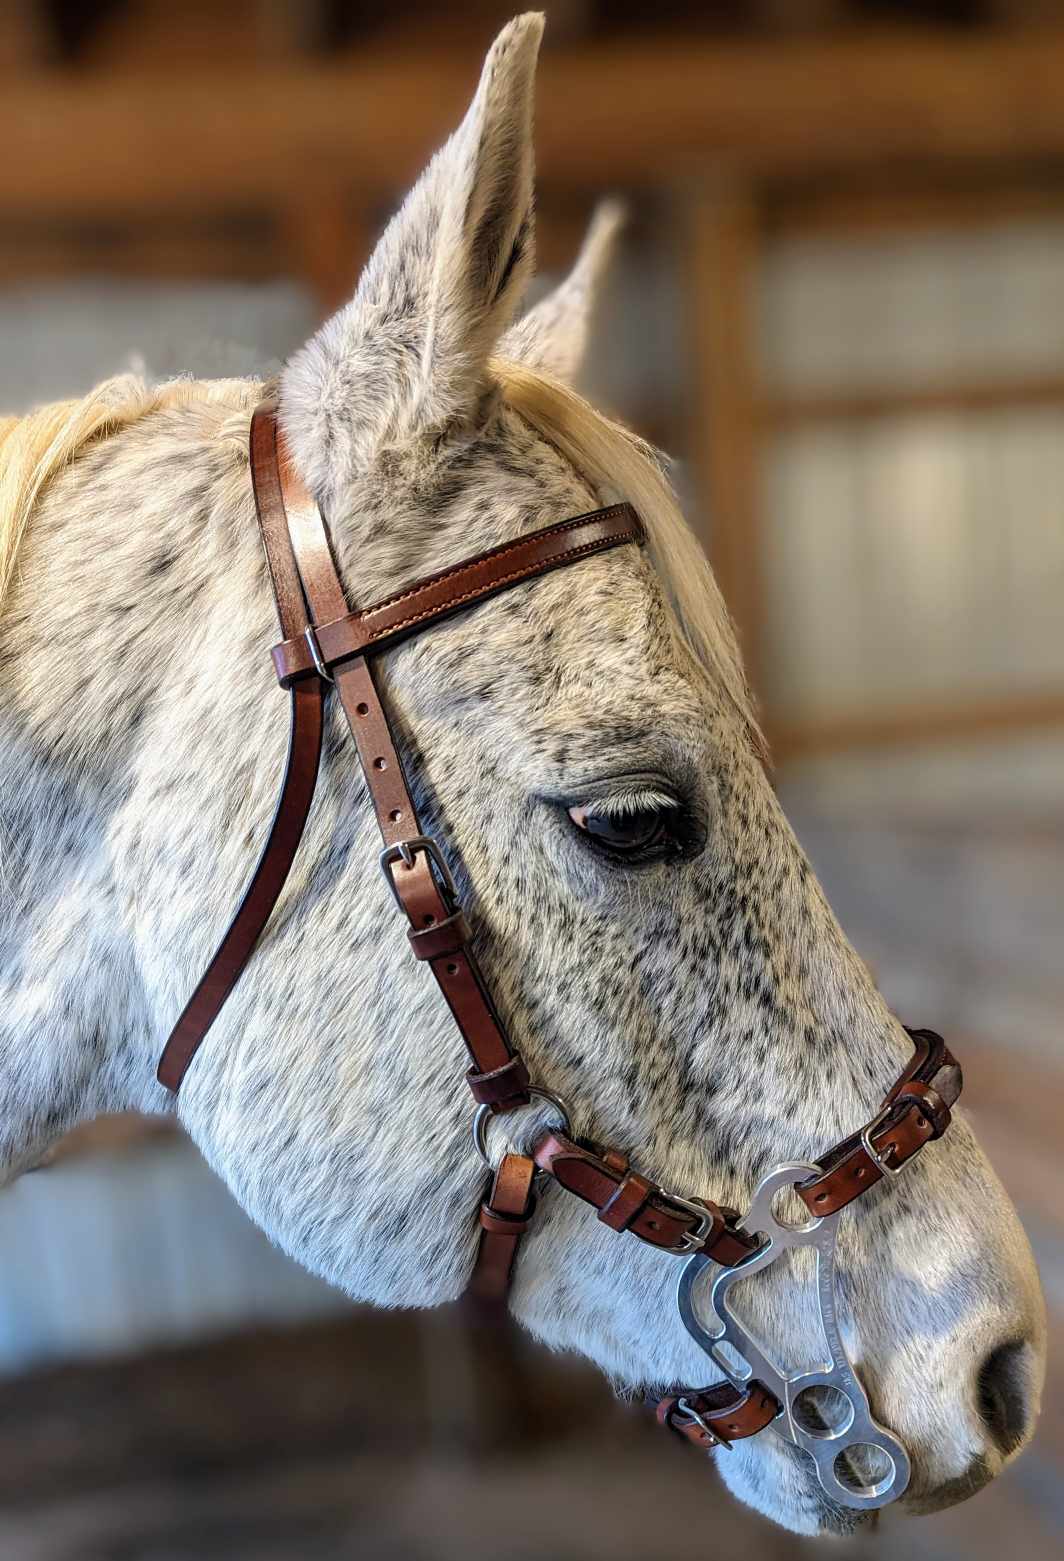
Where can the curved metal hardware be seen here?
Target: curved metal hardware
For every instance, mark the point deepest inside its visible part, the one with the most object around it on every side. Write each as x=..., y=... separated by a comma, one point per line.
x=722, y=1327
x=484, y=1114
x=404, y=851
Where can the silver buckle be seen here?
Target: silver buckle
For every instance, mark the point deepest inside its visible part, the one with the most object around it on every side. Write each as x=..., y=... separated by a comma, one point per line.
x=872, y=1152
x=310, y=634
x=691, y=1240
x=404, y=851
x=686, y=1408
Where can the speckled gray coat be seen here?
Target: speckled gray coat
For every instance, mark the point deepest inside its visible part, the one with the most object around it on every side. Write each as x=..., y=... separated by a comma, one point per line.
x=700, y=1007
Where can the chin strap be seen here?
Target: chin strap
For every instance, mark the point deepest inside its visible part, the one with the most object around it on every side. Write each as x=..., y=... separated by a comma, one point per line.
x=716, y=1416
x=706, y=1417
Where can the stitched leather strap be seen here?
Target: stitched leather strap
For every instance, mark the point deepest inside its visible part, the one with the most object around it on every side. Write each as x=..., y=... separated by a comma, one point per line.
x=260, y=897
x=324, y=640
x=505, y=1215
x=915, y=1111
x=453, y=590
x=626, y=1201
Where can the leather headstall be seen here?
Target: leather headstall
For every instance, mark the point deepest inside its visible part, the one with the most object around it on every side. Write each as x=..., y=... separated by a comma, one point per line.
x=326, y=645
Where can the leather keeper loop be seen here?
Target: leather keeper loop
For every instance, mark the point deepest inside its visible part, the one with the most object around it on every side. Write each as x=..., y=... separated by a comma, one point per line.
x=929, y=1103
x=280, y=655
x=631, y=1196
x=728, y=1246
x=506, y=1224
x=446, y=937
x=504, y=1089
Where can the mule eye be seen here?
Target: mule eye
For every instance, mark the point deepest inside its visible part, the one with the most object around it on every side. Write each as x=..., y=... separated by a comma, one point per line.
x=636, y=832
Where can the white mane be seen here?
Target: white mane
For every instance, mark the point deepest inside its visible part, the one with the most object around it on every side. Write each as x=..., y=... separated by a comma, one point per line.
x=620, y=465
x=35, y=448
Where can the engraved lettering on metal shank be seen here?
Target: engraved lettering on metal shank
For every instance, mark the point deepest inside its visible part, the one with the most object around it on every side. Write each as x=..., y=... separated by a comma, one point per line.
x=714, y=1325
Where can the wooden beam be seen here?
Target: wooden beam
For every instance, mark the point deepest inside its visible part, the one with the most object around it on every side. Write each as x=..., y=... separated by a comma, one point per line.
x=936, y=199
x=327, y=241
x=918, y=726
x=636, y=110
x=241, y=251
x=786, y=413
x=24, y=35
x=722, y=250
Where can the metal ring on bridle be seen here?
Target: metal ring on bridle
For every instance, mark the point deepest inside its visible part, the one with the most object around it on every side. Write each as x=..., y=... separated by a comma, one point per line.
x=483, y=1114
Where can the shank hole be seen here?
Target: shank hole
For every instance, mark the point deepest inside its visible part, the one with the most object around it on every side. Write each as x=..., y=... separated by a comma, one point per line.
x=823, y=1411
x=789, y=1210
x=864, y=1469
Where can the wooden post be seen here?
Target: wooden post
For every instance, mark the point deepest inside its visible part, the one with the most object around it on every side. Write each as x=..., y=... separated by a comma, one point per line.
x=722, y=246
x=25, y=35
x=327, y=239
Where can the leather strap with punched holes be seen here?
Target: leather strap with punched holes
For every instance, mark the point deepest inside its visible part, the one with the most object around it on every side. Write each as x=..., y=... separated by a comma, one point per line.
x=707, y=1417
x=324, y=642
x=916, y=1110
x=627, y=1201
x=717, y=1416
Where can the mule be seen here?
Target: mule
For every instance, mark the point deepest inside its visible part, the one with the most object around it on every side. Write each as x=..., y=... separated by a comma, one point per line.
x=586, y=745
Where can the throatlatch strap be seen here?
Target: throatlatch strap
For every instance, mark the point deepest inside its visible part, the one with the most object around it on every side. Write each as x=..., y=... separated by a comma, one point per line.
x=297, y=788
x=260, y=897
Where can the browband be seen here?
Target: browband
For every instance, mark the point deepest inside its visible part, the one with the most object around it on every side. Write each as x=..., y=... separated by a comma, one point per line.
x=324, y=643
x=408, y=612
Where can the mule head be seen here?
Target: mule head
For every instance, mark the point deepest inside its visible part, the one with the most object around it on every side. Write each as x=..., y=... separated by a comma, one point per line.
x=585, y=748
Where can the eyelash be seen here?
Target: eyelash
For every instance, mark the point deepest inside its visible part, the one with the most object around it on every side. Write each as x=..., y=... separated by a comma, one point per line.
x=667, y=833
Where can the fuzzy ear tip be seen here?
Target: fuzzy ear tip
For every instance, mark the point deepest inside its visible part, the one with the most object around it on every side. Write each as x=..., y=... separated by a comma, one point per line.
x=525, y=30
x=610, y=215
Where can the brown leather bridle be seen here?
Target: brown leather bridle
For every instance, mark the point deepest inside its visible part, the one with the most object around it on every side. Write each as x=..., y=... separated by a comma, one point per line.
x=324, y=644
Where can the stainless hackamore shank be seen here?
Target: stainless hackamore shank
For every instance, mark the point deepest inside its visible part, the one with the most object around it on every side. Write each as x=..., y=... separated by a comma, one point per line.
x=723, y=1328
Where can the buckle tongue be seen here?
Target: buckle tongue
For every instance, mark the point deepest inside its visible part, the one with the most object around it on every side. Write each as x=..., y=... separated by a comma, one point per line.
x=405, y=851
x=878, y=1158
x=691, y=1240
x=690, y=1414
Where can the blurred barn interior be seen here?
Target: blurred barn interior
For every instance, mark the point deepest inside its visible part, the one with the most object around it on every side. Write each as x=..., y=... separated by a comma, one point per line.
x=841, y=306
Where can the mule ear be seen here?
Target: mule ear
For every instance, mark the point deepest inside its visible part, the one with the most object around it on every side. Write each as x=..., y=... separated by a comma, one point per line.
x=411, y=348
x=553, y=335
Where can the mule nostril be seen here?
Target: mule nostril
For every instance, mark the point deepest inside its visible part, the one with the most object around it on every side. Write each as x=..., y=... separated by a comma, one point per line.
x=1003, y=1389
